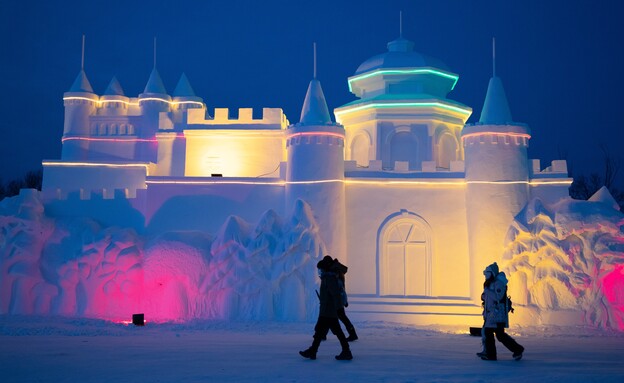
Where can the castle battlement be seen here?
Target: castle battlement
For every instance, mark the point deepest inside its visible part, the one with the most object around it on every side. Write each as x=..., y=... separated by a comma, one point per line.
x=221, y=116
x=557, y=167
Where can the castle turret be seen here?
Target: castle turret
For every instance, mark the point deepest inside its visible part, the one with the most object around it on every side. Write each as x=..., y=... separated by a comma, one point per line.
x=80, y=103
x=497, y=173
x=171, y=144
x=315, y=171
x=153, y=101
x=114, y=102
x=184, y=98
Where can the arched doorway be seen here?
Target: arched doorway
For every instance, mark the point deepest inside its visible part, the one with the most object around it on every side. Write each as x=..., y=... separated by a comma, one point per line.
x=447, y=150
x=405, y=256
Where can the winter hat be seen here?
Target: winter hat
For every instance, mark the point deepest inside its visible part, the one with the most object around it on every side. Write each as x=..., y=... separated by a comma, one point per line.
x=325, y=263
x=493, y=268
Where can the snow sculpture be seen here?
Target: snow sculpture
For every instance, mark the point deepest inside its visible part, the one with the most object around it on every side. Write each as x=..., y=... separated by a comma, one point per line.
x=566, y=263
x=76, y=267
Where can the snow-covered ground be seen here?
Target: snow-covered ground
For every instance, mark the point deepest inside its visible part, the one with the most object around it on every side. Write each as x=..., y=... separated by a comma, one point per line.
x=54, y=349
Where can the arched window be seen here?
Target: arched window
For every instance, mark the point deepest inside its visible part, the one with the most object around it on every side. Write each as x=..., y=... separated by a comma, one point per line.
x=447, y=150
x=404, y=147
x=360, y=148
x=405, y=256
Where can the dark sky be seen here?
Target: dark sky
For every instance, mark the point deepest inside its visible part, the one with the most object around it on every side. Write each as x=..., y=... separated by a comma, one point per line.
x=561, y=61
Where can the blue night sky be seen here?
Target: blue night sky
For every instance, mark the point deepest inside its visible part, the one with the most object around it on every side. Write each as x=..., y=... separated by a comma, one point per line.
x=561, y=61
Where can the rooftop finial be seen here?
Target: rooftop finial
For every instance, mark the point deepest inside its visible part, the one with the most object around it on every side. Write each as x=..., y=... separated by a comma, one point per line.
x=83, y=50
x=493, y=56
x=400, y=23
x=314, y=45
x=154, y=51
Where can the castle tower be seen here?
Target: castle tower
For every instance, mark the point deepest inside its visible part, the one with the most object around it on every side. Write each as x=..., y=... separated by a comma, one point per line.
x=172, y=145
x=80, y=103
x=497, y=174
x=403, y=113
x=315, y=173
x=153, y=101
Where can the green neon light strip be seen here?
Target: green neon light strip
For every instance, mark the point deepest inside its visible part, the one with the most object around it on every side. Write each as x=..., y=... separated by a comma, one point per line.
x=406, y=104
x=404, y=71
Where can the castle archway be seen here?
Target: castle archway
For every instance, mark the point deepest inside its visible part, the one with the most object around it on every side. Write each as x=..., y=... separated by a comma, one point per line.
x=404, y=256
x=404, y=147
x=447, y=150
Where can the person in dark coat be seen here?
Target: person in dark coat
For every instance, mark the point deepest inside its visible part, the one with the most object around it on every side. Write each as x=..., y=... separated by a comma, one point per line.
x=495, y=314
x=331, y=302
x=341, y=270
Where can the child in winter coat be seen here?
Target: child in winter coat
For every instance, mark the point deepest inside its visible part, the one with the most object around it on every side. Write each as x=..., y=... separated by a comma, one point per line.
x=495, y=314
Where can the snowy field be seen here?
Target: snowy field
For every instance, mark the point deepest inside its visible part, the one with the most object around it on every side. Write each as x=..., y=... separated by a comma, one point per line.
x=37, y=349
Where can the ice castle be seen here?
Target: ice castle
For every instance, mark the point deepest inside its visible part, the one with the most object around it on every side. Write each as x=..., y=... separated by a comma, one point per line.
x=415, y=200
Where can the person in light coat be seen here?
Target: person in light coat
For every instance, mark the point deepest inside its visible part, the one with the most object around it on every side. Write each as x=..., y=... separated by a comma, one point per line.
x=495, y=314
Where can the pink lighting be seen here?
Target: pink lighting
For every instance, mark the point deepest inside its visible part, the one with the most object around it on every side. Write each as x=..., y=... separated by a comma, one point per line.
x=613, y=289
x=316, y=134
x=480, y=134
x=109, y=139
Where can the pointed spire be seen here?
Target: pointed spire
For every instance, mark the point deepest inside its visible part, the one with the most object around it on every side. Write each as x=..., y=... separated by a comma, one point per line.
x=314, y=111
x=81, y=84
x=495, y=108
x=314, y=74
x=114, y=88
x=183, y=89
x=155, y=84
x=493, y=56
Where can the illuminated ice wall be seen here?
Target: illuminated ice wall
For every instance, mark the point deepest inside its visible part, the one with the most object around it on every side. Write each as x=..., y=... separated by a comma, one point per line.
x=565, y=262
x=76, y=267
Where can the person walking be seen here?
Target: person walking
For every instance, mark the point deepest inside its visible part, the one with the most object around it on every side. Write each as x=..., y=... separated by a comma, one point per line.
x=495, y=314
x=331, y=302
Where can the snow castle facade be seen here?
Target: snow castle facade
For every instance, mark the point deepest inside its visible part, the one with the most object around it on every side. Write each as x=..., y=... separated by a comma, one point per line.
x=415, y=201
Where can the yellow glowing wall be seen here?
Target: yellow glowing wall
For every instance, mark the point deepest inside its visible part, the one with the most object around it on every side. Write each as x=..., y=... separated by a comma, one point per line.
x=234, y=153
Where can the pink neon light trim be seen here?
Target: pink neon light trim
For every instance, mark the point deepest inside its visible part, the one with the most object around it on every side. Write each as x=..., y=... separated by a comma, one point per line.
x=522, y=135
x=110, y=139
x=317, y=134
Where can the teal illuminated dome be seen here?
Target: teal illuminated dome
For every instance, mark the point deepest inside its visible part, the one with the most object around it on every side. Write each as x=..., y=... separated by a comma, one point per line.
x=402, y=72
x=400, y=54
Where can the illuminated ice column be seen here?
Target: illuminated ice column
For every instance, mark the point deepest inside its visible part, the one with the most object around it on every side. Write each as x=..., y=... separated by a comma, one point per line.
x=497, y=175
x=153, y=101
x=315, y=173
x=80, y=103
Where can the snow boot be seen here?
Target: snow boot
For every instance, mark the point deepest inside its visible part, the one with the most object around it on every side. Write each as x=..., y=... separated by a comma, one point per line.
x=518, y=354
x=309, y=353
x=352, y=335
x=345, y=355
